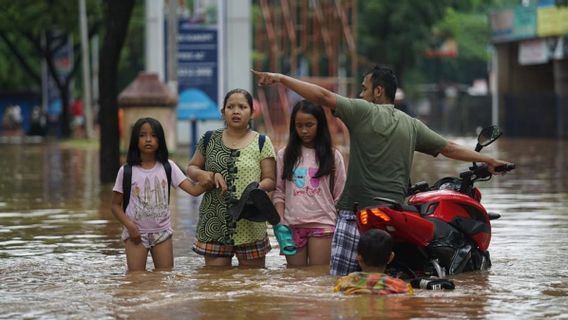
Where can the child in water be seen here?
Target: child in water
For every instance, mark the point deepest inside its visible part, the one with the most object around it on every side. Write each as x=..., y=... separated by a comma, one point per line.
x=146, y=219
x=374, y=252
x=310, y=178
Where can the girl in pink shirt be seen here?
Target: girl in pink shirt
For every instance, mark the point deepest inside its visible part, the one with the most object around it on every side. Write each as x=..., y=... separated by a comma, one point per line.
x=309, y=180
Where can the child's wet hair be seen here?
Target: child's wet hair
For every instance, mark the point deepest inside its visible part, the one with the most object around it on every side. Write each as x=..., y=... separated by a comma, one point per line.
x=133, y=157
x=375, y=247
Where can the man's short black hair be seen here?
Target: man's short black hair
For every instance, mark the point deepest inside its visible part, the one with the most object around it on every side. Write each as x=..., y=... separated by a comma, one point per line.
x=384, y=76
x=375, y=247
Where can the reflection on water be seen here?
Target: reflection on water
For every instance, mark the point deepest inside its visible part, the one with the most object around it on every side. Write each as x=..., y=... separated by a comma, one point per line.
x=61, y=257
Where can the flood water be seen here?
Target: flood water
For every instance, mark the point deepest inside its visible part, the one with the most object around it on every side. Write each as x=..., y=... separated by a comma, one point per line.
x=61, y=257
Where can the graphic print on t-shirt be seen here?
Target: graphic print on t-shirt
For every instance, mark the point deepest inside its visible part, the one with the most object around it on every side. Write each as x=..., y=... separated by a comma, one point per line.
x=152, y=202
x=305, y=181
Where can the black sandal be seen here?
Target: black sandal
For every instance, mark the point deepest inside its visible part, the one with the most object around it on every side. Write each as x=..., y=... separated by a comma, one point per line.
x=255, y=205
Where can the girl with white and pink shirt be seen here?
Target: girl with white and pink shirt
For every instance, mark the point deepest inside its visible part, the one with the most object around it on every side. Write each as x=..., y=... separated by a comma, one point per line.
x=146, y=218
x=310, y=178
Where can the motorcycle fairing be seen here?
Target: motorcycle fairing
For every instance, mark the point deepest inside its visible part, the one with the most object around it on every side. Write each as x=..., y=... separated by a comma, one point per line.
x=446, y=240
x=403, y=226
x=459, y=210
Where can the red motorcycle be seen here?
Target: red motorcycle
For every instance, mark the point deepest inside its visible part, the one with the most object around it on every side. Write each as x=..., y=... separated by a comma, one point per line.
x=443, y=229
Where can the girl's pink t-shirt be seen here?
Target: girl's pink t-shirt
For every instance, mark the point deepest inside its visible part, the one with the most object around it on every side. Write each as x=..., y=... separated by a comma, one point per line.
x=148, y=207
x=309, y=202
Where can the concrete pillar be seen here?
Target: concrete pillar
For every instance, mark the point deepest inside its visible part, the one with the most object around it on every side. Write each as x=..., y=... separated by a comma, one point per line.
x=503, y=54
x=494, y=87
x=147, y=96
x=237, y=45
x=154, y=33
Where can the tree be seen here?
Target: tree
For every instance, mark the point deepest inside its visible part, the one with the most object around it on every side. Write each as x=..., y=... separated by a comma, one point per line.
x=13, y=77
x=467, y=24
x=117, y=18
x=470, y=32
x=397, y=32
x=26, y=29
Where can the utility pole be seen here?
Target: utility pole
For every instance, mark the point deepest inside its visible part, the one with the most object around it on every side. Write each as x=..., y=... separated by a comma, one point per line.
x=172, y=46
x=94, y=46
x=154, y=33
x=44, y=79
x=86, y=68
x=494, y=85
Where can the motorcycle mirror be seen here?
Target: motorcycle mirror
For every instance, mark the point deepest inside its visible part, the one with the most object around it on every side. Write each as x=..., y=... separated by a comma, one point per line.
x=487, y=136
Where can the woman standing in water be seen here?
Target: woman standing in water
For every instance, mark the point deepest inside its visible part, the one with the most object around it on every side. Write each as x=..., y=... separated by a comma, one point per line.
x=235, y=156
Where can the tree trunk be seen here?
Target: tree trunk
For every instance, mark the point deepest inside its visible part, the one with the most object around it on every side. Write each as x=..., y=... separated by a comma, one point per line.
x=118, y=15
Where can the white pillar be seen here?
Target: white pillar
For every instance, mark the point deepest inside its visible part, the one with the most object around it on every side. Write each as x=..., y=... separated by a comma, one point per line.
x=221, y=72
x=494, y=85
x=154, y=44
x=172, y=46
x=44, y=79
x=95, y=73
x=237, y=45
x=86, y=69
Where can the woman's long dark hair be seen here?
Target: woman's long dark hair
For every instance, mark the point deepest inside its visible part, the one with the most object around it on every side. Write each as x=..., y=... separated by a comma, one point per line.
x=325, y=155
x=133, y=156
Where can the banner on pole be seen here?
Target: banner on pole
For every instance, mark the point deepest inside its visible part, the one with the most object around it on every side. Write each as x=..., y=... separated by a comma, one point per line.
x=198, y=71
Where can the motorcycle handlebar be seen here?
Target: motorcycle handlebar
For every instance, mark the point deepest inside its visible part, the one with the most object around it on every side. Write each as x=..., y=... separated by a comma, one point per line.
x=505, y=167
x=482, y=171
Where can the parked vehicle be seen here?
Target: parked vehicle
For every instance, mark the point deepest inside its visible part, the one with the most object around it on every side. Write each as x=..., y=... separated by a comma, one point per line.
x=443, y=229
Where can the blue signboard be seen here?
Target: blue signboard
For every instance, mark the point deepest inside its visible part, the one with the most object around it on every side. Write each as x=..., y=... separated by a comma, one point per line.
x=198, y=71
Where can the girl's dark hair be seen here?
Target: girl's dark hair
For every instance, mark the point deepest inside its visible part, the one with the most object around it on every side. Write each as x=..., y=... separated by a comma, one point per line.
x=133, y=156
x=245, y=93
x=325, y=155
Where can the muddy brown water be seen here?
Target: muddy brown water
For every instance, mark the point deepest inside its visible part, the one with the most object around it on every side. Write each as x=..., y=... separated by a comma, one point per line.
x=61, y=257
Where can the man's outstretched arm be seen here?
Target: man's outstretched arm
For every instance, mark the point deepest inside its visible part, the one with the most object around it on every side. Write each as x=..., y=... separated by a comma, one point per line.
x=308, y=91
x=458, y=152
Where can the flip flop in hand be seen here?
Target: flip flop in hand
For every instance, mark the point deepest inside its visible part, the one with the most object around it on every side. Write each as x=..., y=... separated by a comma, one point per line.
x=283, y=234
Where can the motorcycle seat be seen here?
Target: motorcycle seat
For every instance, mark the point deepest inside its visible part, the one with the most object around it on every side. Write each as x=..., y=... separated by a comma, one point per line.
x=398, y=206
x=411, y=208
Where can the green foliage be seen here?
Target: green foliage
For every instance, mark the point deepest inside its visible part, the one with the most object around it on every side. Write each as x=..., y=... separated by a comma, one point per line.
x=22, y=23
x=12, y=77
x=35, y=16
x=132, y=54
x=395, y=32
x=24, y=20
x=471, y=33
x=467, y=24
x=470, y=30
